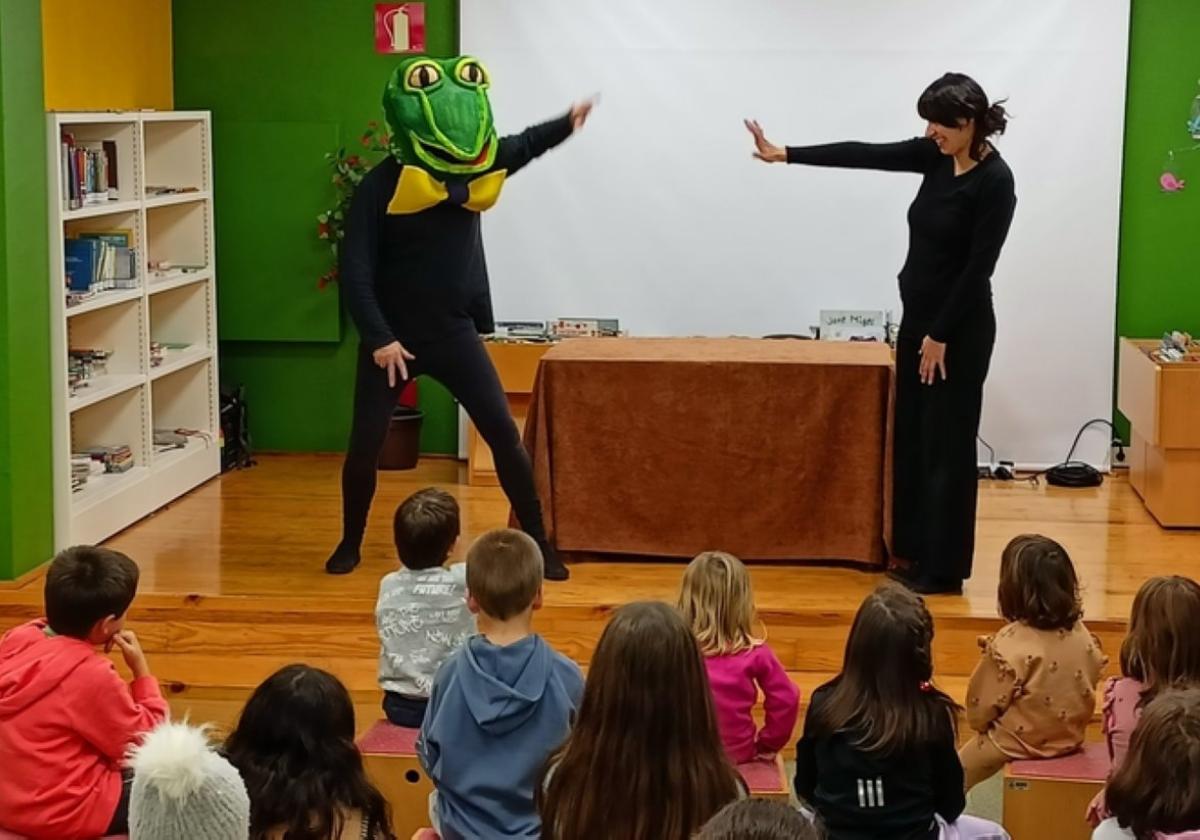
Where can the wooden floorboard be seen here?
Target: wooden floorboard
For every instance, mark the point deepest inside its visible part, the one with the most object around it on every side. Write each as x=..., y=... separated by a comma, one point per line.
x=233, y=587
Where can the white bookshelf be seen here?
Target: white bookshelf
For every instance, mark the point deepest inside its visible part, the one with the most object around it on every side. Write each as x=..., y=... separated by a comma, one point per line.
x=174, y=307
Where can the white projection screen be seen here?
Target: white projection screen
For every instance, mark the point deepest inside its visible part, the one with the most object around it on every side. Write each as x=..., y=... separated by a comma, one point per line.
x=657, y=215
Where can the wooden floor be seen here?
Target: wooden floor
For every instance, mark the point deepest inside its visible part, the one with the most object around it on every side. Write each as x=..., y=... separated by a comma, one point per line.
x=233, y=587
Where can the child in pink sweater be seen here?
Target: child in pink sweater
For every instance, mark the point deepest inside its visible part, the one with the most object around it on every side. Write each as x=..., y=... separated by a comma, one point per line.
x=717, y=601
x=1160, y=651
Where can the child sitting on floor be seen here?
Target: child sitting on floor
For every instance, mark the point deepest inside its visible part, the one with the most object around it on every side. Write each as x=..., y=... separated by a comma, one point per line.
x=644, y=760
x=501, y=703
x=1033, y=691
x=421, y=614
x=1161, y=651
x=717, y=601
x=184, y=790
x=294, y=748
x=877, y=757
x=1155, y=793
x=67, y=719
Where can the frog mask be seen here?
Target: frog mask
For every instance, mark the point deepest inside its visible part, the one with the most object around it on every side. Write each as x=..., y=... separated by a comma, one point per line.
x=440, y=117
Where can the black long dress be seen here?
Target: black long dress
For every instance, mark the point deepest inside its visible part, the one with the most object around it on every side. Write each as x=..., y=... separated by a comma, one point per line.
x=957, y=226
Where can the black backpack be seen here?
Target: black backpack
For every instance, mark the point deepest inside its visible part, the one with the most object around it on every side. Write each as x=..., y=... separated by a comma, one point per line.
x=235, y=454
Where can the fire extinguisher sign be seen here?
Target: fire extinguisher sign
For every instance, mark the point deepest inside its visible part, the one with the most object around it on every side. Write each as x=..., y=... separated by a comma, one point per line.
x=399, y=28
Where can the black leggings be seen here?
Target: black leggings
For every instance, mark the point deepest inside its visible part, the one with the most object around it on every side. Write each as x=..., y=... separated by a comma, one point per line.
x=934, y=479
x=462, y=365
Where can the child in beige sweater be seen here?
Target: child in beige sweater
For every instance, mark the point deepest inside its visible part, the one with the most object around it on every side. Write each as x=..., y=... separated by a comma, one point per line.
x=1034, y=689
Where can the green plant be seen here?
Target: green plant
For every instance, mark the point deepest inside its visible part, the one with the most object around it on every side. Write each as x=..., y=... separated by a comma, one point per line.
x=348, y=172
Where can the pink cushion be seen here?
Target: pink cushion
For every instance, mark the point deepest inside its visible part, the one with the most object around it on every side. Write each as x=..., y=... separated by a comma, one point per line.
x=1090, y=764
x=762, y=776
x=388, y=739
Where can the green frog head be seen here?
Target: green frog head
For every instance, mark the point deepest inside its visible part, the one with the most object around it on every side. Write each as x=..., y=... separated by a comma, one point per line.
x=439, y=115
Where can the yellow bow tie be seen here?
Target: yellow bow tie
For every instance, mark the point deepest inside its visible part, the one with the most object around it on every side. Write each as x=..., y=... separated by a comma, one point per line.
x=417, y=190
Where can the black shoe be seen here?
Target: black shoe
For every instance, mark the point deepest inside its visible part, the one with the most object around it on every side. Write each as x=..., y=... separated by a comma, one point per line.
x=902, y=574
x=343, y=561
x=552, y=567
x=933, y=586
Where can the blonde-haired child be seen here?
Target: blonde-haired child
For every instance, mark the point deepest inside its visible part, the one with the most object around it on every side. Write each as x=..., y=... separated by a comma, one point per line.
x=717, y=601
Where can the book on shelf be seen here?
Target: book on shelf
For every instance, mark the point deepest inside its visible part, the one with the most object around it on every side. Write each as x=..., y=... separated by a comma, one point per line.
x=159, y=350
x=84, y=365
x=98, y=262
x=112, y=459
x=89, y=172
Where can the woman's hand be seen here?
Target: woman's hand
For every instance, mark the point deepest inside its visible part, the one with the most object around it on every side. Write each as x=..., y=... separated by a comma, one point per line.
x=764, y=149
x=933, y=360
x=391, y=357
x=580, y=112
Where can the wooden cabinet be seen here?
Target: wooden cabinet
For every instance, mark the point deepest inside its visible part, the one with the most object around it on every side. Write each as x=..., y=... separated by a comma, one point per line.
x=1162, y=402
x=517, y=365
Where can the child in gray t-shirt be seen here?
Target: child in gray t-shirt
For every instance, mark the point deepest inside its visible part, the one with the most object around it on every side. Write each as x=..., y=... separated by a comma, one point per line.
x=421, y=614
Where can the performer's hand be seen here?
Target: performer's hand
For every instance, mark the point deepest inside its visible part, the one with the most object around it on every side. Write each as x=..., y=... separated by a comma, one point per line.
x=764, y=149
x=391, y=357
x=933, y=360
x=580, y=112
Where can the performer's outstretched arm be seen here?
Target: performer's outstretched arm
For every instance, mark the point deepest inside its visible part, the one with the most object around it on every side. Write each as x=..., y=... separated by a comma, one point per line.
x=516, y=150
x=916, y=155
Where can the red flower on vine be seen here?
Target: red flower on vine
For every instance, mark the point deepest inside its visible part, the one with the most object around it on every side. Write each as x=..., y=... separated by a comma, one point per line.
x=323, y=230
x=353, y=160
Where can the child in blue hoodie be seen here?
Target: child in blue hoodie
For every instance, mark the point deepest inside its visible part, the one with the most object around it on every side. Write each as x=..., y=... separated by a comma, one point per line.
x=501, y=704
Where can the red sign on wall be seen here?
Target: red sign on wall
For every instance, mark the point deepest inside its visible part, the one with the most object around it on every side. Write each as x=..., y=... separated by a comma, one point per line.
x=399, y=27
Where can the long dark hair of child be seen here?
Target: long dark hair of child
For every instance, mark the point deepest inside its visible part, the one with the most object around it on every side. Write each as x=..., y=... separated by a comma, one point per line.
x=1157, y=787
x=294, y=746
x=1038, y=585
x=1162, y=649
x=884, y=695
x=644, y=760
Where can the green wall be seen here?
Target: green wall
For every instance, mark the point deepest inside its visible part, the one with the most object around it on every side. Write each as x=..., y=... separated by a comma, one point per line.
x=26, y=490
x=1159, y=281
x=285, y=81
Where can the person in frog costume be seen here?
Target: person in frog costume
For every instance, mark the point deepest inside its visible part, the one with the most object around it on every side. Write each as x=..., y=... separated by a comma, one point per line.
x=415, y=282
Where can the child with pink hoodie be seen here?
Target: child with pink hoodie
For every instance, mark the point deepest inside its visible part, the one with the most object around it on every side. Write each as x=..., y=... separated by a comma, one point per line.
x=67, y=720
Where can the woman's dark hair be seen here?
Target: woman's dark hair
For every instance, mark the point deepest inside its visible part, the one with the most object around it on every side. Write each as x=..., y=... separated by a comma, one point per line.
x=884, y=698
x=294, y=747
x=1038, y=584
x=760, y=819
x=1162, y=648
x=644, y=760
x=1156, y=789
x=955, y=97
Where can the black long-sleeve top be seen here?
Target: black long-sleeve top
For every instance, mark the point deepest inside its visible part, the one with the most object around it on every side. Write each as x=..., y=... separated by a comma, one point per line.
x=861, y=796
x=957, y=226
x=422, y=276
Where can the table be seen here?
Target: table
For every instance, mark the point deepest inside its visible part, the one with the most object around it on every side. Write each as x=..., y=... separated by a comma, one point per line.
x=775, y=450
x=1162, y=403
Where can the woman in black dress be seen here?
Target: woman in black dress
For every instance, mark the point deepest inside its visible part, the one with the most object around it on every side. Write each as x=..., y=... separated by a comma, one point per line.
x=957, y=225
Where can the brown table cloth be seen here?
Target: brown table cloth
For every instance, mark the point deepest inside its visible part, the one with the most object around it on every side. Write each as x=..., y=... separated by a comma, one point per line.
x=774, y=450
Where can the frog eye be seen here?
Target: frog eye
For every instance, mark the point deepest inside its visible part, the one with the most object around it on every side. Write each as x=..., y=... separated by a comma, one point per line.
x=472, y=73
x=423, y=76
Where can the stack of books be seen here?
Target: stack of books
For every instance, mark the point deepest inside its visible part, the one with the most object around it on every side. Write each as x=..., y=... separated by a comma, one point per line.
x=83, y=468
x=84, y=365
x=99, y=262
x=159, y=350
x=89, y=172
x=113, y=459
